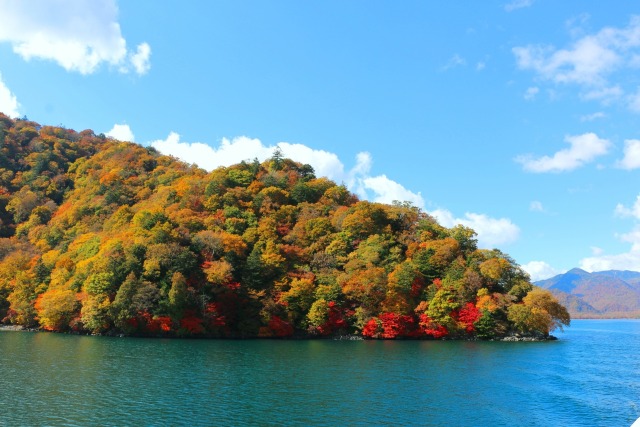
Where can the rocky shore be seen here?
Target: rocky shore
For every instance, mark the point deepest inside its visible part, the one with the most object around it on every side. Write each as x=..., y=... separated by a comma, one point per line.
x=16, y=328
x=530, y=338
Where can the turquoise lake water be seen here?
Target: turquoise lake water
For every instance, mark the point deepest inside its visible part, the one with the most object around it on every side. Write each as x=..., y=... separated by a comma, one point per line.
x=589, y=377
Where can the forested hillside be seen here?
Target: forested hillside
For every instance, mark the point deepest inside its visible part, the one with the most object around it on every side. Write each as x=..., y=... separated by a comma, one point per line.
x=600, y=294
x=104, y=236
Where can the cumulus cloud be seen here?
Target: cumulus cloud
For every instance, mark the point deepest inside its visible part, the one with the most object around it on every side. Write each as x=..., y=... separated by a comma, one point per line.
x=232, y=151
x=629, y=260
x=632, y=237
x=623, y=261
x=625, y=212
x=8, y=102
x=517, y=4
x=386, y=190
x=378, y=188
x=631, y=159
x=121, y=132
x=229, y=152
x=491, y=232
x=540, y=270
x=141, y=59
x=359, y=179
x=583, y=149
x=78, y=35
x=589, y=61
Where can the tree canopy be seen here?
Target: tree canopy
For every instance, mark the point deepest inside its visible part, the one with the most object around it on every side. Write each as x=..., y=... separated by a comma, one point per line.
x=103, y=236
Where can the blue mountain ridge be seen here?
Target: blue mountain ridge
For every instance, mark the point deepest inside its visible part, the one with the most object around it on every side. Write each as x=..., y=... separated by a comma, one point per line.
x=611, y=293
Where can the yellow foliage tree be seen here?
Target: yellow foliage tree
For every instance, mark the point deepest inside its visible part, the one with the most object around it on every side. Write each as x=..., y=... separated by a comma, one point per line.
x=56, y=308
x=539, y=312
x=219, y=272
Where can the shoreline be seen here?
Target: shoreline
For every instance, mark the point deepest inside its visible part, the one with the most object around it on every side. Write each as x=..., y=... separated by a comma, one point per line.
x=349, y=337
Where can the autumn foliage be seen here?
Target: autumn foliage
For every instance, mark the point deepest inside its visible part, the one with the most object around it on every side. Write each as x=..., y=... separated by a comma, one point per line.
x=102, y=236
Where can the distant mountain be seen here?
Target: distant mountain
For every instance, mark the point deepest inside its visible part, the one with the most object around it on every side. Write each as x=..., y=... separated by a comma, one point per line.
x=564, y=282
x=602, y=294
x=631, y=277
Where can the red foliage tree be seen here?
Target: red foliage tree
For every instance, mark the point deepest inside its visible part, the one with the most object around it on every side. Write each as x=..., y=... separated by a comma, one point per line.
x=192, y=324
x=395, y=325
x=389, y=326
x=334, y=322
x=279, y=327
x=156, y=324
x=213, y=314
x=427, y=327
x=468, y=315
x=416, y=286
x=372, y=329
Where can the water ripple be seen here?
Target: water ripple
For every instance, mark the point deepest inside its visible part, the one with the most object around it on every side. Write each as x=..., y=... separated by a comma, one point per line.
x=590, y=377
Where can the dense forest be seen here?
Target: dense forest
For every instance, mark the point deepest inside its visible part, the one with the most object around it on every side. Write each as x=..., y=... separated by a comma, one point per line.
x=103, y=236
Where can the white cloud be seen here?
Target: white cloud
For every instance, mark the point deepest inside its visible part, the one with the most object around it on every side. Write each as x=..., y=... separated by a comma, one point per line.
x=593, y=116
x=358, y=179
x=140, y=60
x=121, y=132
x=596, y=250
x=492, y=232
x=536, y=206
x=378, y=188
x=604, y=94
x=387, y=191
x=481, y=66
x=8, y=102
x=576, y=24
x=324, y=163
x=455, y=61
x=583, y=149
x=233, y=151
x=625, y=212
x=624, y=261
x=517, y=4
x=531, y=93
x=540, y=270
x=632, y=237
x=78, y=35
x=631, y=159
x=629, y=260
x=634, y=101
x=229, y=152
x=589, y=61
x=362, y=167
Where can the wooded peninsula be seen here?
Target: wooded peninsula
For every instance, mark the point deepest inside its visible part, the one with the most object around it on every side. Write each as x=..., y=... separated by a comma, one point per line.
x=109, y=237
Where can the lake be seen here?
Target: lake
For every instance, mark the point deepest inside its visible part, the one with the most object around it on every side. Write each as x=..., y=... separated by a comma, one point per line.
x=589, y=377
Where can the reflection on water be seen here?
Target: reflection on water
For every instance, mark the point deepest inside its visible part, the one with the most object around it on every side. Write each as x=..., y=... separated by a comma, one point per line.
x=591, y=376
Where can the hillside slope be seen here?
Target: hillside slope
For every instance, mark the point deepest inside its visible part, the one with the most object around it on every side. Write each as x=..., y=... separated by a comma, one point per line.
x=104, y=236
x=610, y=293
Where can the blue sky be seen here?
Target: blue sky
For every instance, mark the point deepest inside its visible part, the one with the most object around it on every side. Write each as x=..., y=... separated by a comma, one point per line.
x=517, y=118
